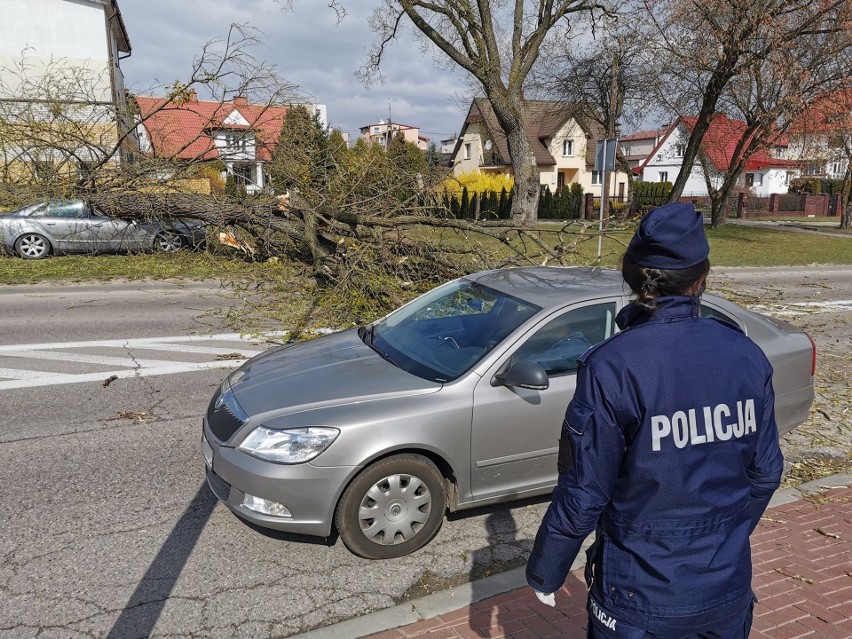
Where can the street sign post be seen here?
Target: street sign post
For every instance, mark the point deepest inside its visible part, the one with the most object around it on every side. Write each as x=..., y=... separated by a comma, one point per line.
x=604, y=161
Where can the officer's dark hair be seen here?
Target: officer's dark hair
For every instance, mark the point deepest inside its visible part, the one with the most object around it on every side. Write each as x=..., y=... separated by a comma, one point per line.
x=650, y=283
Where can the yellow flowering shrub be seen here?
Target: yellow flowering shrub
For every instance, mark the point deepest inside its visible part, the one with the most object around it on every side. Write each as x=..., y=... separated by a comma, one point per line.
x=477, y=182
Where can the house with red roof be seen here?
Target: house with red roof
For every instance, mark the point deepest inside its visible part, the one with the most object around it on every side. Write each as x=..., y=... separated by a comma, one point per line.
x=562, y=140
x=240, y=135
x=764, y=173
x=821, y=137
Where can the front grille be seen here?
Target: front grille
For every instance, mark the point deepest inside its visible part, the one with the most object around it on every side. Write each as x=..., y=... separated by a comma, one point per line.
x=219, y=486
x=223, y=423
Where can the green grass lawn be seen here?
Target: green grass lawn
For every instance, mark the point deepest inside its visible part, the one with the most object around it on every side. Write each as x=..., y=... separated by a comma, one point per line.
x=157, y=266
x=729, y=246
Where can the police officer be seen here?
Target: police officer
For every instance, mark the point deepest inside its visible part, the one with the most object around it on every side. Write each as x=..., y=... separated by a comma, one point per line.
x=669, y=451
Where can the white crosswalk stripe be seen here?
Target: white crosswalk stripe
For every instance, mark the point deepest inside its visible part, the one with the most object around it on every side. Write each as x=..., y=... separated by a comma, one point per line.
x=124, y=360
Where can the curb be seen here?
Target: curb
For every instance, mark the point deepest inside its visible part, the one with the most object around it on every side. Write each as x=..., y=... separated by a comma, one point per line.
x=446, y=601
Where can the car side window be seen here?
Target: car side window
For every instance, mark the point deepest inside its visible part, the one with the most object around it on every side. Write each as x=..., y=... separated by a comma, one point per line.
x=40, y=211
x=67, y=210
x=713, y=313
x=557, y=345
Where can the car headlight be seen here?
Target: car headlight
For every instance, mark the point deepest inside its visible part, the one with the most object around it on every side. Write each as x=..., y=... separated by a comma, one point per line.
x=291, y=446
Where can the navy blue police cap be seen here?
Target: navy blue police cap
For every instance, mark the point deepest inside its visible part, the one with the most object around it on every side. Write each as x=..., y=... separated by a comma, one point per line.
x=670, y=237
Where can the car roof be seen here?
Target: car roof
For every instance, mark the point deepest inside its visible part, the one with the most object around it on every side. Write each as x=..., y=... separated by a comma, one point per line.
x=549, y=286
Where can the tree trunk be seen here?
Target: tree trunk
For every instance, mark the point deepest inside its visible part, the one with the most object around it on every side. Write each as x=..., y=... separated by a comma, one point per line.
x=720, y=201
x=527, y=187
x=846, y=197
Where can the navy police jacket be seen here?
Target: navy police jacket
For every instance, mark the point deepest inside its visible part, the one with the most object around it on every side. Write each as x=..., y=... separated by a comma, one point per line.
x=669, y=450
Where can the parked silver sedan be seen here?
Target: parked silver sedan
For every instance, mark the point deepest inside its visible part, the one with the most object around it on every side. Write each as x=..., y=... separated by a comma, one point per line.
x=74, y=226
x=453, y=401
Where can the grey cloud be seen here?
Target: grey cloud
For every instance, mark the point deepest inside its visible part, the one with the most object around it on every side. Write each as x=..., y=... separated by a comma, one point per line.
x=308, y=48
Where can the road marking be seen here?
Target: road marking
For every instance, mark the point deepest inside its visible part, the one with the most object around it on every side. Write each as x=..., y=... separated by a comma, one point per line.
x=129, y=367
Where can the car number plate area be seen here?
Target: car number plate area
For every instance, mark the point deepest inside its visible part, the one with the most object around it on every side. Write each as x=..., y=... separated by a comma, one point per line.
x=207, y=451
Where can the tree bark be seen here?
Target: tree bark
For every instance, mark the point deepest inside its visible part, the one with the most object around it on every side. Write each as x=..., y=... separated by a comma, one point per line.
x=527, y=183
x=846, y=197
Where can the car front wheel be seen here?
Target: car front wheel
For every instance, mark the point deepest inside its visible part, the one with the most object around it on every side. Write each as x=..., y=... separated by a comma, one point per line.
x=169, y=242
x=32, y=246
x=392, y=508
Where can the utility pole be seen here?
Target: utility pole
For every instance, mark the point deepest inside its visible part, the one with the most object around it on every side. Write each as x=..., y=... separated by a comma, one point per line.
x=389, y=135
x=610, y=136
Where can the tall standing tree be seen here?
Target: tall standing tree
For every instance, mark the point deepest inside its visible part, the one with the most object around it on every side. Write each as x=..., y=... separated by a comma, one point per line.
x=298, y=157
x=603, y=79
x=766, y=100
x=497, y=43
x=822, y=136
x=698, y=47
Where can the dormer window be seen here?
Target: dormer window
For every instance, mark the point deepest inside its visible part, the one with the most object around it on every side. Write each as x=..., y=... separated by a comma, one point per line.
x=679, y=150
x=567, y=148
x=467, y=147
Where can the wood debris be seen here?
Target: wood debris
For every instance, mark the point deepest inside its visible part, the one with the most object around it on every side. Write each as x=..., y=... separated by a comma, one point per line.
x=827, y=534
x=138, y=415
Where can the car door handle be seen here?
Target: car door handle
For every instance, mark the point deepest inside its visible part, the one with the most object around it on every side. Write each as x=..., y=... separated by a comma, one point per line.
x=50, y=223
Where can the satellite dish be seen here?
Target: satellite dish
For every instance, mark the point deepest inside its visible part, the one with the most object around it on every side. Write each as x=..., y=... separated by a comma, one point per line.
x=488, y=145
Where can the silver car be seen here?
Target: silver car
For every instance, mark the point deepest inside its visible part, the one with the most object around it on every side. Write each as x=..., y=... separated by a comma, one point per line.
x=74, y=226
x=453, y=401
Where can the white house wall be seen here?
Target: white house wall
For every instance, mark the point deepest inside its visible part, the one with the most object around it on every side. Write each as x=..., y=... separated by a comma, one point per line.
x=474, y=135
x=667, y=161
x=45, y=32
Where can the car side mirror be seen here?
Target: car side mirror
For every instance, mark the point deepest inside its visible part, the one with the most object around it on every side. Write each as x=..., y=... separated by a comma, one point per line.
x=523, y=374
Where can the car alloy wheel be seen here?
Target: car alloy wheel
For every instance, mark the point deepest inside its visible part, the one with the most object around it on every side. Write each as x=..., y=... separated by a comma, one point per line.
x=32, y=246
x=392, y=508
x=169, y=242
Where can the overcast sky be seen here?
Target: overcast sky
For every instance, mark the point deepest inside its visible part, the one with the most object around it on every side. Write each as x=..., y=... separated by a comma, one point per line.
x=309, y=50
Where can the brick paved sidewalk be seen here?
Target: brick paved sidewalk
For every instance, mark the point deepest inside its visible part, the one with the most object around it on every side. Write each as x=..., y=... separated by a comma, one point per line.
x=802, y=554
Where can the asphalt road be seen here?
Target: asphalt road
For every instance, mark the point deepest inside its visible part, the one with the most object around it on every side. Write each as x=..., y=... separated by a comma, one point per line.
x=108, y=527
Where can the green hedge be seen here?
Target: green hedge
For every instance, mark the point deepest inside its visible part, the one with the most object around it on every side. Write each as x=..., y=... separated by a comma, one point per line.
x=567, y=203
x=816, y=186
x=651, y=194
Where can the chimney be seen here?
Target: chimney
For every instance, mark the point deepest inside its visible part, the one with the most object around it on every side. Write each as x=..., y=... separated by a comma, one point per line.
x=240, y=100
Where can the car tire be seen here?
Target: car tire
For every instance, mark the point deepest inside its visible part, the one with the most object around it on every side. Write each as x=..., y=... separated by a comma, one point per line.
x=32, y=246
x=394, y=507
x=169, y=242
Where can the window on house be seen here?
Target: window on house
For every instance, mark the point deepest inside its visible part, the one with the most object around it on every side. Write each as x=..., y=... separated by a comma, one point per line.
x=596, y=178
x=664, y=176
x=377, y=129
x=836, y=168
x=568, y=148
x=779, y=151
x=758, y=179
x=235, y=142
x=467, y=151
x=680, y=149
x=749, y=179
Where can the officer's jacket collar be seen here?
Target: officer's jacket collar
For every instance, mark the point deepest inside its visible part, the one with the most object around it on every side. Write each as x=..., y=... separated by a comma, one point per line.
x=671, y=308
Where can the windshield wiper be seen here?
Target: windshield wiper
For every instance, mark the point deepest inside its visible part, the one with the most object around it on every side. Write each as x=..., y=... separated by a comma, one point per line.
x=368, y=335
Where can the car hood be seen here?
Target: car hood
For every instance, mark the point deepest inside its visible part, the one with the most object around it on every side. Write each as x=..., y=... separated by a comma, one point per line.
x=327, y=371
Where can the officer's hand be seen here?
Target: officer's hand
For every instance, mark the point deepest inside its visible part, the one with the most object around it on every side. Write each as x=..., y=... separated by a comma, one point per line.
x=548, y=599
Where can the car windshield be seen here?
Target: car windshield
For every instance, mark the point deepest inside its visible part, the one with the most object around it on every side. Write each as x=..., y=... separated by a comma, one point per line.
x=444, y=333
